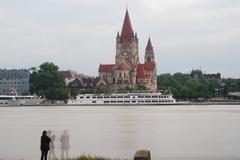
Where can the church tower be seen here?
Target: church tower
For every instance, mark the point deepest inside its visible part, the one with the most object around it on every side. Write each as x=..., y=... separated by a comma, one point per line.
x=149, y=59
x=127, y=49
x=149, y=54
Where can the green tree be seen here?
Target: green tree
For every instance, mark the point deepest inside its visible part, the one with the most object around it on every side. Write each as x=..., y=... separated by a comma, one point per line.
x=48, y=82
x=73, y=92
x=142, y=88
x=100, y=90
x=87, y=91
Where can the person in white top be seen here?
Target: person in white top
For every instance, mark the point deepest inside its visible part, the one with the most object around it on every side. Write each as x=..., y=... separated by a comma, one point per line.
x=65, y=145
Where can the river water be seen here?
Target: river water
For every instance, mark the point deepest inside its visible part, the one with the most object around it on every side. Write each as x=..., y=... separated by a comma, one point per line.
x=170, y=132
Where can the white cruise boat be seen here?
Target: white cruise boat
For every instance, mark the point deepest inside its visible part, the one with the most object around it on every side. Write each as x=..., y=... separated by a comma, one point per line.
x=123, y=99
x=15, y=100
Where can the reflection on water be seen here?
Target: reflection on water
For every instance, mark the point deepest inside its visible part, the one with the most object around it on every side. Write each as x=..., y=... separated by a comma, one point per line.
x=170, y=132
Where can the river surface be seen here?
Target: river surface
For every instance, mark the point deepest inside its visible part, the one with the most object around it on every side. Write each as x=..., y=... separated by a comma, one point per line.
x=170, y=132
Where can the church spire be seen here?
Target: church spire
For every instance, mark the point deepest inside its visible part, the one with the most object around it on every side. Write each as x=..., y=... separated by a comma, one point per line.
x=127, y=30
x=149, y=54
x=149, y=44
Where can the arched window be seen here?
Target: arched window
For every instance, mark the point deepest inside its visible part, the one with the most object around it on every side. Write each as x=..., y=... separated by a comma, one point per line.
x=149, y=60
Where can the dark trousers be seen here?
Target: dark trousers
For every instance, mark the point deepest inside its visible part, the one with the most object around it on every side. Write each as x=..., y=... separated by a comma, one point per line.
x=44, y=155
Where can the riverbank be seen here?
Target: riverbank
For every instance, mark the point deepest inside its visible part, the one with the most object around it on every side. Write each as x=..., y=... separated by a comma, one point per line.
x=215, y=103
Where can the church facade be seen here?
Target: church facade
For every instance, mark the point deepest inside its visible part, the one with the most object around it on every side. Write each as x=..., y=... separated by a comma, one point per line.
x=127, y=70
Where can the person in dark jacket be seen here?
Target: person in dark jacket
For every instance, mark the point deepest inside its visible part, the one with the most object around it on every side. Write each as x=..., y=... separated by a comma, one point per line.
x=45, y=140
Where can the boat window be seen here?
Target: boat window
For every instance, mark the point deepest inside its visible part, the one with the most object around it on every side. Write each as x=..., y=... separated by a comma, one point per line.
x=126, y=101
x=113, y=101
x=93, y=97
x=120, y=97
x=147, y=101
x=93, y=101
x=81, y=97
x=133, y=101
x=106, y=101
x=99, y=97
x=113, y=96
x=88, y=97
x=154, y=96
x=106, y=96
x=119, y=101
x=147, y=96
x=154, y=101
x=140, y=96
x=6, y=98
x=126, y=96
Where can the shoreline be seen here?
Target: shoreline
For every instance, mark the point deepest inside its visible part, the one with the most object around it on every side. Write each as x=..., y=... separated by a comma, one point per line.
x=181, y=103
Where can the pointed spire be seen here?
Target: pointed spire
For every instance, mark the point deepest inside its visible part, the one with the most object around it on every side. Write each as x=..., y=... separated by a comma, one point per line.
x=126, y=29
x=149, y=44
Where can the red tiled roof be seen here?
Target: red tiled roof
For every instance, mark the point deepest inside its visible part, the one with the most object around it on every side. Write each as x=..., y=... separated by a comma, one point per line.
x=72, y=74
x=67, y=74
x=141, y=73
x=149, y=66
x=149, y=44
x=126, y=29
x=106, y=68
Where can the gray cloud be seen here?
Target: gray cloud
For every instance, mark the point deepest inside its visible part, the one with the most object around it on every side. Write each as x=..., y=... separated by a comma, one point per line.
x=80, y=34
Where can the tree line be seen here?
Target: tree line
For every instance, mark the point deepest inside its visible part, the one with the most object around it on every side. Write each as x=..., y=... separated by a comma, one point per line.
x=183, y=86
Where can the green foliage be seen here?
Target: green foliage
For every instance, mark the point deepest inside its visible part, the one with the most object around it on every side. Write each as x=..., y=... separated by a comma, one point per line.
x=74, y=92
x=183, y=86
x=25, y=93
x=100, y=90
x=130, y=89
x=87, y=91
x=88, y=157
x=144, y=88
x=125, y=89
x=48, y=82
x=232, y=85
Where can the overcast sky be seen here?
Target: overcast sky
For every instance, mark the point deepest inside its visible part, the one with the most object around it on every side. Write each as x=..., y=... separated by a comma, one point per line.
x=80, y=34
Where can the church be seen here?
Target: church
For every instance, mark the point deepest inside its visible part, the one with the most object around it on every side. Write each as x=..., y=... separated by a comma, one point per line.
x=127, y=71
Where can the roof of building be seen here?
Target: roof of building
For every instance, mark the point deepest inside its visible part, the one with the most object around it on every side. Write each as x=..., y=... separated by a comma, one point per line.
x=141, y=73
x=106, y=68
x=149, y=45
x=127, y=30
x=67, y=74
x=84, y=82
x=149, y=66
x=14, y=73
x=72, y=74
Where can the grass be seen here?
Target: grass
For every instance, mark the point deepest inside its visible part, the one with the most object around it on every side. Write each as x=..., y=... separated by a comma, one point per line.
x=88, y=157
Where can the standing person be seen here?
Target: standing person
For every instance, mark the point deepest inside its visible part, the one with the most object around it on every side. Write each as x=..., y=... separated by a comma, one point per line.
x=45, y=140
x=65, y=145
x=51, y=155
